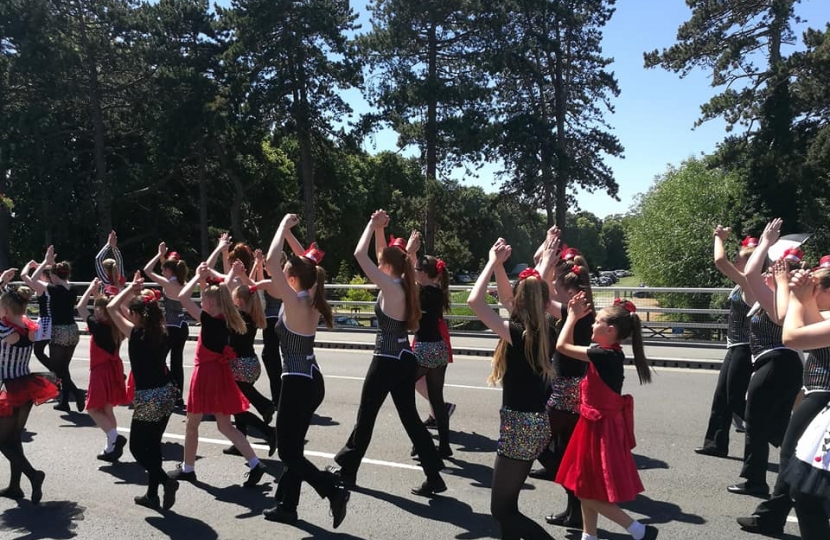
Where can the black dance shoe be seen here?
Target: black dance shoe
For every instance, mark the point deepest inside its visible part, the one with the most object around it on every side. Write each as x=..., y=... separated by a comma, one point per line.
x=268, y=415
x=337, y=503
x=278, y=514
x=564, y=520
x=170, y=489
x=231, y=451
x=117, y=451
x=179, y=474
x=753, y=524
x=711, y=451
x=430, y=487
x=747, y=488
x=347, y=480
x=651, y=532
x=37, y=486
x=254, y=475
x=445, y=452
x=12, y=493
x=147, y=501
x=272, y=441
x=80, y=400
x=62, y=406
x=542, y=474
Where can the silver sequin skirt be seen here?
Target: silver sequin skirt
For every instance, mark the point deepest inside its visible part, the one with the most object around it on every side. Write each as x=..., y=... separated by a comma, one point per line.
x=431, y=354
x=155, y=404
x=246, y=369
x=523, y=435
x=565, y=394
x=65, y=335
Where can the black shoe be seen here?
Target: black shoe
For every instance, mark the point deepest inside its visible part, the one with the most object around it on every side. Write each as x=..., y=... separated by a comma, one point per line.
x=430, y=487
x=347, y=480
x=337, y=504
x=450, y=409
x=117, y=451
x=231, y=451
x=564, y=520
x=746, y=488
x=272, y=441
x=62, y=406
x=37, y=486
x=651, y=532
x=147, y=501
x=170, y=489
x=12, y=493
x=178, y=474
x=180, y=403
x=413, y=452
x=753, y=524
x=254, y=475
x=711, y=451
x=268, y=415
x=445, y=452
x=431, y=423
x=542, y=474
x=281, y=516
x=80, y=400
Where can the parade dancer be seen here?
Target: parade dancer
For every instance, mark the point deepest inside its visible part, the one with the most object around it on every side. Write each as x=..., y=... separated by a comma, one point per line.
x=110, y=270
x=39, y=282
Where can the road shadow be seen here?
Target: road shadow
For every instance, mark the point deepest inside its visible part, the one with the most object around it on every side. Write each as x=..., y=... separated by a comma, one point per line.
x=27, y=436
x=174, y=525
x=56, y=520
x=76, y=419
x=174, y=451
x=661, y=511
x=255, y=499
x=771, y=467
x=473, y=442
x=318, y=532
x=644, y=463
x=481, y=476
x=324, y=421
x=127, y=472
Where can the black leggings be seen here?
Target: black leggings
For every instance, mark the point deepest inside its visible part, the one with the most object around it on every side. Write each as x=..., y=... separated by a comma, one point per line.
x=61, y=357
x=562, y=425
x=145, y=446
x=730, y=396
x=386, y=376
x=509, y=476
x=271, y=358
x=812, y=516
x=300, y=397
x=177, y=337
x=40, y=353
x=261, y=403
x=11, y=444
x=435, y=390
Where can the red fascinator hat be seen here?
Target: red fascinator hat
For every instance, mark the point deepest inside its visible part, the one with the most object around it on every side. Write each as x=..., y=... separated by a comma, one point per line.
x=568, y=253
x=749, y=242
x=793, y=255
x=824, y=262
x=314, y=253
x=399, y=243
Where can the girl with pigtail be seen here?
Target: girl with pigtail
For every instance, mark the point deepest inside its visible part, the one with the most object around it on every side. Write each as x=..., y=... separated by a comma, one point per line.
x=172, y=278
x=598, y=466
x=110, y=270
x=106, y=370
x=300, y=282
x=212, y=386
x=394, y=365
x=155, y=393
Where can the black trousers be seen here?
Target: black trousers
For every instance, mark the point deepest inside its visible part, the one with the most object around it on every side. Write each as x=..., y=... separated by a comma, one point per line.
x=813, y=517
x=773, y=512
x=40, y=353
x=396, y=377
x=299, y=398
x=772, y=391
x=730, y=396
x=271, y=358
x=145, y=446
x=177, y=337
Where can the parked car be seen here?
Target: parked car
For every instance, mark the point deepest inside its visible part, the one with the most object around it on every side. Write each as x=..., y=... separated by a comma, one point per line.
x=643, y=294
x=343, y=321
x=609, y=275
x=622, y=273
x=463, y=277
x=517, y=270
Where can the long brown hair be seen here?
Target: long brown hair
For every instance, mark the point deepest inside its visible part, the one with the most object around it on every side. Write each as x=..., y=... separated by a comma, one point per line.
x=570, y=278
x=179, y=269
x=251, y=304
x=312, y=275
x=233, y=320
x=429, y=265
x=113, y=273
x=100, y=303
x=242, y=252
x=530, y=299
x=628, y=324
x=401, y=266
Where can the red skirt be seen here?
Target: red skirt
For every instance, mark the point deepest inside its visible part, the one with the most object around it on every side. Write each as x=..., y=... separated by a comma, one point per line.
x=106, y=379
x=213, y=389
x=31, y=388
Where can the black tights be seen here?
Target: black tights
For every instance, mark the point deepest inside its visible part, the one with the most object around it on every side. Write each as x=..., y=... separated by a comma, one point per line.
x=40, y=353
x=61, y=357
x=509, y=476
x=435, y=390
x=11, y=444
x=562, y=425
x=177, y=337
x=272, y=359
x=261, y=403
x=145, y=446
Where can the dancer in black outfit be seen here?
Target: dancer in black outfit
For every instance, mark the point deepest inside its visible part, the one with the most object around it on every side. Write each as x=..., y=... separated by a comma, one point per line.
x=394, y=367
x=301, y=285
x=155, y=393
x=730, y=391
x=38, y=282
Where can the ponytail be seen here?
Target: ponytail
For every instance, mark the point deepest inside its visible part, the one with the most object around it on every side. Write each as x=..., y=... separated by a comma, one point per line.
x=413, y=300
x=178, y=267
x=251, y=304
x=444, y=281
x=319, y=302
x=63, y=270
x=640, y=360
x=233, y=320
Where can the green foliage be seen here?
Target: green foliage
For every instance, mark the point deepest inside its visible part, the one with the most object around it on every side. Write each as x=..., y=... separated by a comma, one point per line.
x=358, y=295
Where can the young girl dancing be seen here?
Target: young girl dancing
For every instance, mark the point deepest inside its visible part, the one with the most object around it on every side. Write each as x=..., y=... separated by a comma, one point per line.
x=155, y=394
x=20, y=390
x=521, y=363
x=38, y=283
x=212, y=387
x=598, y=465
x=301, y=285
x=110, y=270
x=106, y=371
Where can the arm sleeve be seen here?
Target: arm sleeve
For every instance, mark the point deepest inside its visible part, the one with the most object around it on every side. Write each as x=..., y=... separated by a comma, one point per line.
x=99, y=265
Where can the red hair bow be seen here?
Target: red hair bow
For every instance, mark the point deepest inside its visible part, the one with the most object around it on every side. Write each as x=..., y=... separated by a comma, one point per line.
x=252, y=289
x=793, y=255
x=314, y=253
x=399, y=243
x=749, y=242
x=152, y=295
x=440, y=266
x=173, y=256
x=210, y=280
x=824, y=262
x=569, y=253
x=627, y=304
x=111, y=290
x=576, y=269
x=529, y=272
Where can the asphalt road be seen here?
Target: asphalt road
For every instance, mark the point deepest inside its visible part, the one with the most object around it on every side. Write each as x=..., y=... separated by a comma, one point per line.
x=87, y=499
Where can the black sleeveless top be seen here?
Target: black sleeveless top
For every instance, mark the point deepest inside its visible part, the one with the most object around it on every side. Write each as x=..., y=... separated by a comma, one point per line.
x=524, y=390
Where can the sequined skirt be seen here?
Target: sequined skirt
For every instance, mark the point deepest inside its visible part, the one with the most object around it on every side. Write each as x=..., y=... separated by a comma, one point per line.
x=65, y=335
x=523, y=435
x=431, y=354
x=246, y=369
x=155, y=404
x=565, y=394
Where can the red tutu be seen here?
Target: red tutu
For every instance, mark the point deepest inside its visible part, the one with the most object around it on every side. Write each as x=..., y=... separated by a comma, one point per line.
x=106, y=379
x=212, y=386
x=598, y=463
x=31, y=388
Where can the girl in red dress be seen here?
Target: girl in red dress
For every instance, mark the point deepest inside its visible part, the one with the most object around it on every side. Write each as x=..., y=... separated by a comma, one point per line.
x=212, y=386
x=106, y=370
x=598, y=466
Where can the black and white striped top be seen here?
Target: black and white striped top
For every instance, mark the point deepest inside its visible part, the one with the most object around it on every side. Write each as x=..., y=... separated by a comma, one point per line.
x=764, y=335
x=99, y=264
x=14, y=359
x=297, y=350
x=44, y=305
x=817, y=370
x=392, y=338
x=737, y=332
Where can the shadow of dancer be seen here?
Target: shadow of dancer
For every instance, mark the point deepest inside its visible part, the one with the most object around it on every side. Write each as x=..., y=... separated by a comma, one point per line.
x=644, y=463
x=56, y=520
x=317, y=532
x=660, y=511
x=473, y=442
x=174, y=525
x=253, y=499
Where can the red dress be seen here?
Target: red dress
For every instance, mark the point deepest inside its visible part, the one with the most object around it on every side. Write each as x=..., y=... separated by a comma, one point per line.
x=106, y=378
x=212, y=386
x=598, y=464
x=29, y=388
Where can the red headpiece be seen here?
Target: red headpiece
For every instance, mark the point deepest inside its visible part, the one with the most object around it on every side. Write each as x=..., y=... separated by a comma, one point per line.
x=252, y=289
x=749, y=242
x=399, y=243
x=529, y=272
x=627, y=304
x=111, y=290
x=793, y=255
x=440, y=266
x=824, y=262
x=569, y=253
x=173, y=256
x=576, y=269
x=314, y=253
x=210, y=280
x=153, y=295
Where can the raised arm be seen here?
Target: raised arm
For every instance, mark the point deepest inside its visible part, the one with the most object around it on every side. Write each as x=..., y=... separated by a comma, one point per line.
x=722, y=261
x=781, y=274
x=117, y=307
x=272, y=261
x=804, y=326
x=37, y=284
x=221, y=247
x=361, y=252
x=151, y=265
x=381, y=223
x=186, y=295
x=83, y=303
x=503, y=286
x=478, y=296
x=577, y=308
x=412, y=247
x=755, y=266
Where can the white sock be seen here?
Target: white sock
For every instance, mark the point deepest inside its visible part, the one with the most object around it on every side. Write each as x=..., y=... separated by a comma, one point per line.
x=111, y=436
x=253, y=462
x=187, y=468
x=586, y=536
x=637, y=530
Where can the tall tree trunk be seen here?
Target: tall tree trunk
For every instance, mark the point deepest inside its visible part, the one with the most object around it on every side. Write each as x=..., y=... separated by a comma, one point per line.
x=203, y=206
x=5, y=216
x=103, y=198
x=307, y=171
x=562, y=161
x=431, y=140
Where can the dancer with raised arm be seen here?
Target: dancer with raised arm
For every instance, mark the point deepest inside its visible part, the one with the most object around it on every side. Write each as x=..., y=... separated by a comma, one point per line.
x=110, y=270
x=521, y=364
x=394, y=366
x=39, y=282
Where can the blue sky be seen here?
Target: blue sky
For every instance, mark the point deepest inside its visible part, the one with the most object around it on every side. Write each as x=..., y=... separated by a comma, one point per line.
x=655, y=112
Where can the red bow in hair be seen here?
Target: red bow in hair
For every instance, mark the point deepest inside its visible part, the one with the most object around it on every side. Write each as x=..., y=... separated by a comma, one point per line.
x=210, y=280
x=252, y=289
x=153, y=295
x=749, y=242
x=111, y=290
x=440, y=266
x=569, y=253
x=173, y=256
x=824, y=262
x=576, y=269
x=793, y=255
x=399, y=243
x=627, y=304
x=314, y=253
x=529, y=272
